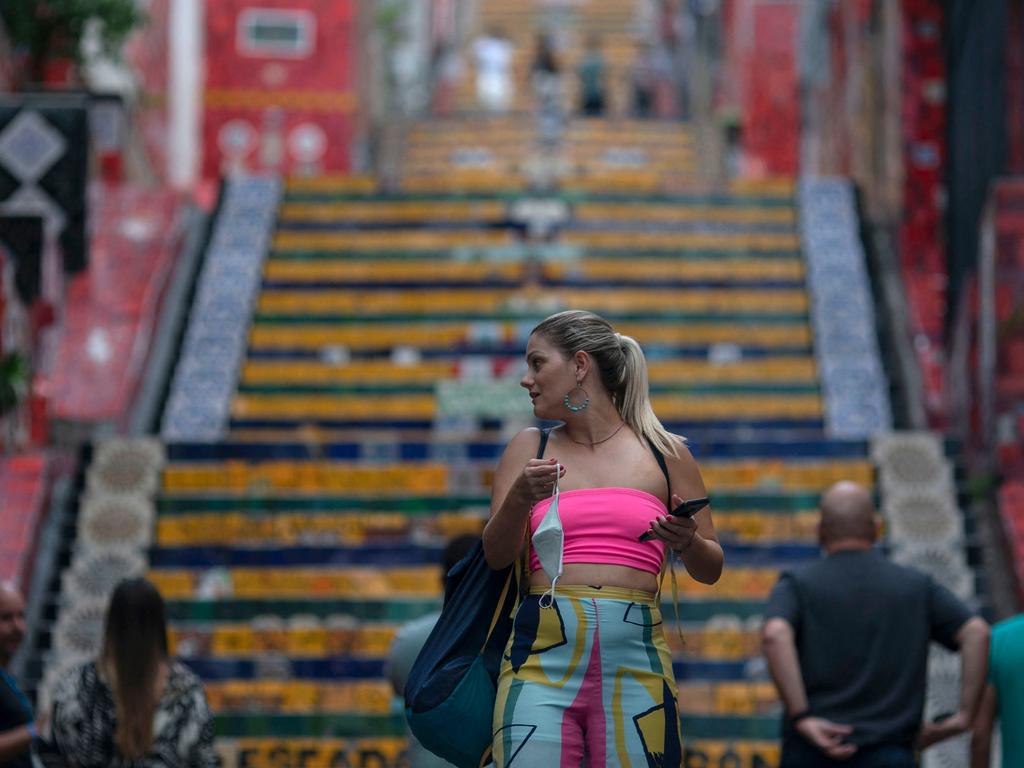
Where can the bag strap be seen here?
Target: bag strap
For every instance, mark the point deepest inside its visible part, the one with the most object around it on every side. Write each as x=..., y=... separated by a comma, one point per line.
x=670, y=560
x=513, y=578
x=523, y=569
x=544, y=435
x=660, y=458
x=519, y=577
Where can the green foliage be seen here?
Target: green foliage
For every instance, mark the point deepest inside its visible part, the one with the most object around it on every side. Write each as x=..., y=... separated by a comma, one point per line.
x=54, y=28
x=981, y=487
x=388, y=17
x=14, y=379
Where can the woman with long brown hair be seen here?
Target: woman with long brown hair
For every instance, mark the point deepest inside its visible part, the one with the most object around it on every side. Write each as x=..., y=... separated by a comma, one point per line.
x=133, y=707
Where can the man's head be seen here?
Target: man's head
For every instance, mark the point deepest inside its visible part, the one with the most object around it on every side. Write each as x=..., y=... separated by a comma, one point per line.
x=848, y=518
x=12, y=621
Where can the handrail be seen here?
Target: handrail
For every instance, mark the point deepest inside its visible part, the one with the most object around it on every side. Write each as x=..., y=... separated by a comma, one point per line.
x=987, y=328
x=882, y=258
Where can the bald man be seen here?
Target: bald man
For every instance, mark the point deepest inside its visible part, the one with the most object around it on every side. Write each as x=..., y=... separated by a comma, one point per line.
x=846, y=640
x=17, y=726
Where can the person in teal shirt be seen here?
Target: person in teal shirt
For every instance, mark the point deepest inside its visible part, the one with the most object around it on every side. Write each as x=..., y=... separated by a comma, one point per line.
x=1003, y=698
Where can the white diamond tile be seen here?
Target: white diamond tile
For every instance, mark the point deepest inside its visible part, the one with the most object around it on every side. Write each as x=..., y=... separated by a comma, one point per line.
x=29, y=145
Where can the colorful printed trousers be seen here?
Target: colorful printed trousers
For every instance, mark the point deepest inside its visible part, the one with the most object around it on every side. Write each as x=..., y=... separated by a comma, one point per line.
x=587, y=681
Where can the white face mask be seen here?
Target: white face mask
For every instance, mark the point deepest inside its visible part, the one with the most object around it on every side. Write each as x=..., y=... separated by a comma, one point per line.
x=548, y=542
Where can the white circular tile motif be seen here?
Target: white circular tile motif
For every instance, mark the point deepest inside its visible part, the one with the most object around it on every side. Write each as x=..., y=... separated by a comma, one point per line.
x=307, y=142
x=236, y=138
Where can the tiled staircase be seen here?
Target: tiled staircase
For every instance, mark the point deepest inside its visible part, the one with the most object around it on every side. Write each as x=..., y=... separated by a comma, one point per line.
x=378, y=387
x=380, y=383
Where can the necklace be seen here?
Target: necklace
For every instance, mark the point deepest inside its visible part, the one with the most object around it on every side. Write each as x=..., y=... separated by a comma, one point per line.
x=602, y=440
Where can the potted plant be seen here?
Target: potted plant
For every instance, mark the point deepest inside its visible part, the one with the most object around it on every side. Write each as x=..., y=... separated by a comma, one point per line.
x=14, y=383
x=47, y=34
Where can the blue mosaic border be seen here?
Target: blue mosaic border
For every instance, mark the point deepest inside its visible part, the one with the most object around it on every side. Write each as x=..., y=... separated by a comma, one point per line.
x=199, y=405
x=854, y=386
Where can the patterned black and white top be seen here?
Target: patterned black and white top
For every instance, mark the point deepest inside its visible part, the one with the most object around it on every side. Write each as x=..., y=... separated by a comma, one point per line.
x=84, y=721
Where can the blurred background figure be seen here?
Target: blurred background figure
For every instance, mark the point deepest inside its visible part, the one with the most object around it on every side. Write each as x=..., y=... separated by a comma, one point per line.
x=133, y=706
x=545, y=73
x=410, y=639
x=492, y=55
x=643, y=80
x=546, y=81
x=446, y=69
x=675, y=33
x=1003, y=699
x=593, y=73
x=17, y=722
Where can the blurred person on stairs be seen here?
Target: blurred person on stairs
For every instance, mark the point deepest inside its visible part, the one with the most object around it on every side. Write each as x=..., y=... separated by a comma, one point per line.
x=134, y=706
x=492, y=54
x=17, y=723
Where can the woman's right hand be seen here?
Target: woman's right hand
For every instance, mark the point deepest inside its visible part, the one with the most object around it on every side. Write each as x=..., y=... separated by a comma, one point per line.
x=519, y=482
x=539, y=476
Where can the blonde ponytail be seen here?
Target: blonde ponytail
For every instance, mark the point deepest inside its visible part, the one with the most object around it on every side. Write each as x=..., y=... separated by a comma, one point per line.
x=634, y=402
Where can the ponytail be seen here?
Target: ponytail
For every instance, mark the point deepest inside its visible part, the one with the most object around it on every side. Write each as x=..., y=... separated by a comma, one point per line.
x=634, y=402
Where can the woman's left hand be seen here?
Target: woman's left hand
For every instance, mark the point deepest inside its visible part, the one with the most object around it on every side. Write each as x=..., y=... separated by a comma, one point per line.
x=678, y=532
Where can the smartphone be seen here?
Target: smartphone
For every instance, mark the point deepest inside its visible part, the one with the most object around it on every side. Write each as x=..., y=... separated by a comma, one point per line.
x=690, y=508
x=686, y=509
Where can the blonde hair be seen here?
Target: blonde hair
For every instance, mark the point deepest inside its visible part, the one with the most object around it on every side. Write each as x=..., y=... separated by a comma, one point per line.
x=622, y=367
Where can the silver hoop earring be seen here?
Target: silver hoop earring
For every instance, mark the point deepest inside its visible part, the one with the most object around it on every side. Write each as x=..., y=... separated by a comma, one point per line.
x=576, y=408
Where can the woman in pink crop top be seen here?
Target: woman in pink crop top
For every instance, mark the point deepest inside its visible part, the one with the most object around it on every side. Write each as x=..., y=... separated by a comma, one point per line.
x=587, y=669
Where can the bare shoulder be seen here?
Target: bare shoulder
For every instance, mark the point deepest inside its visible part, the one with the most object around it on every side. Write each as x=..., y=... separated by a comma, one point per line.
x=684, y=466
x=683, y=455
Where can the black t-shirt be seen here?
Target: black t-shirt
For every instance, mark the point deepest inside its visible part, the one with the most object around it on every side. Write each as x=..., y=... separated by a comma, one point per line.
x=14, y=711
x=862, y=626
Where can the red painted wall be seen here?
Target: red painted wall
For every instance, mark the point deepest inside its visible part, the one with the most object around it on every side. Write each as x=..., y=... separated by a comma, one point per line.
x=771, y=120
x=760, y=79
x=289, y=110
x=922, y=245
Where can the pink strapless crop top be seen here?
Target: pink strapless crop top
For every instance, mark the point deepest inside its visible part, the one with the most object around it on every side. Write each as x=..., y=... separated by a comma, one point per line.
x=601, y=525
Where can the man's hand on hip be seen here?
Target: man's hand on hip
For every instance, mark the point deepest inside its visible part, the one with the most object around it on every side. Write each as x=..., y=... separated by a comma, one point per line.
x=827, y=736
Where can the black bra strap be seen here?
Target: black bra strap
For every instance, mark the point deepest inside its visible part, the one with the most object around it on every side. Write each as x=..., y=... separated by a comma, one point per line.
x=544, y=435
x=664, y=471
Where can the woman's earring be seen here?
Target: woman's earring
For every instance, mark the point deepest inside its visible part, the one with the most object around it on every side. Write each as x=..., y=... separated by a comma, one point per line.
x=576, y=407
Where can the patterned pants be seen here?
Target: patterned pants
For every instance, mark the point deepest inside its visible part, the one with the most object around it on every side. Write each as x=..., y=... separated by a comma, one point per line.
x=587, y=681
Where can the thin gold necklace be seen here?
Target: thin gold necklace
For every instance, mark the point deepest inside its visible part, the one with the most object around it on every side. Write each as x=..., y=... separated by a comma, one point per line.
x=602, y=440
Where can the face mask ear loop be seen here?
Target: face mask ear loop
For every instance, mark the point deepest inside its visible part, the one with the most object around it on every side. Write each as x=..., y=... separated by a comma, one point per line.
x=550, y=594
